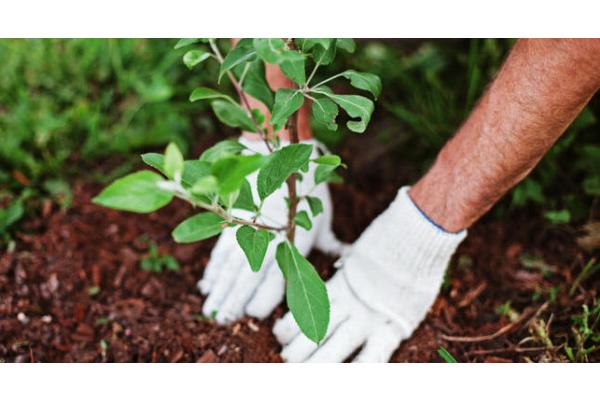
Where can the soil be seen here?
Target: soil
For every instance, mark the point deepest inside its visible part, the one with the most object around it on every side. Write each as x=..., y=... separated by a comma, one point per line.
x=73, y=289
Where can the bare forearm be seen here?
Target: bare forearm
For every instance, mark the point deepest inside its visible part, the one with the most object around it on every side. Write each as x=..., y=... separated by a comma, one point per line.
x=539, y=91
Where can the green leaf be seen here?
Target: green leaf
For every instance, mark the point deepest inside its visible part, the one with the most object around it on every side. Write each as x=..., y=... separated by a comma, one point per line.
x=325, y=111
x=155, y=160
x=315, y=204
x=185, y=42
x=558, y=216
x=137, y=192
x=231, y=171
x=255, y=83
x=303, y=220
x=254, y=243
x=222, y=149
x=281, y=164
x=356, y=106
x=275, y=51
x=11, y=214
x=328, y=159
x=306, y=293
x=325, y=173
x=242, y=53
x=325, y=55
x=206, y=185
x=195, y=57
x=192, y=169
x=245, y=200
x=294, y=70
x=346, y=44
x=173, y=162
x=233, y=115
x=287, y=102
x=365, y=81
x=205, y=93
x=199, y=227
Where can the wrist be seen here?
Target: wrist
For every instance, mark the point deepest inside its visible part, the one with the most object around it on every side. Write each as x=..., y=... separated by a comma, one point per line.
x=435, y=199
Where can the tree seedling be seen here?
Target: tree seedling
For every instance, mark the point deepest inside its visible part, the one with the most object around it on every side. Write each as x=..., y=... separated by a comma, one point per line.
x=217, y=183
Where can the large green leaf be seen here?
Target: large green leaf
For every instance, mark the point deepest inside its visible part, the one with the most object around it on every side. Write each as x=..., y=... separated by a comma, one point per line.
x=233, y=115
x=242, y=53
x=255, y=84
x=254, y=243
x=356, y=106
x=195, y=57
x=205, y=93
x=200, y=226
x=306, y=293
x=325, y=111
x=231, y=171
x=137, y=192
x=287, y=102
x=281, y=164
x=294, y=70
x=275, y=51
x=222, y=149
x=365, y=81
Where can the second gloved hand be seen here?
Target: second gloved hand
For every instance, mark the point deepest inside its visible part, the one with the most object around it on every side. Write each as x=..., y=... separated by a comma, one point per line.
x=387, y=283
x=233, y=289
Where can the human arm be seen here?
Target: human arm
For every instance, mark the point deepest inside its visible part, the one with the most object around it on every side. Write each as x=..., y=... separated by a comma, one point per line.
x=541, y=88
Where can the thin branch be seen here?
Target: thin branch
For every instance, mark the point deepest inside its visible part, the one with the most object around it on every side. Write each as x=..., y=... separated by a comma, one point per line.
x=291, y=181
x=312, y=74
x=215, y=208
x=241, y=94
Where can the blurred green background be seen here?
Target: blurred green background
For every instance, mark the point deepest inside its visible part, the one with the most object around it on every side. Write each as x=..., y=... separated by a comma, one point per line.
x=69, y=105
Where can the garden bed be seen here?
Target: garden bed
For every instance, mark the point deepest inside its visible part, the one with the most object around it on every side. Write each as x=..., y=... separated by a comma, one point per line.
x=73, y=289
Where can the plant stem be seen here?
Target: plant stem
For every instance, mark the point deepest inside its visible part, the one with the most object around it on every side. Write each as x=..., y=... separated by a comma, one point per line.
x=215, y=208
x=291, y=181
x=241, y=94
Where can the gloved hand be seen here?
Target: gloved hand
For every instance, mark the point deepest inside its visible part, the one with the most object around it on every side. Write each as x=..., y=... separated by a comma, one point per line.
x=388, y=281
x=233, y=289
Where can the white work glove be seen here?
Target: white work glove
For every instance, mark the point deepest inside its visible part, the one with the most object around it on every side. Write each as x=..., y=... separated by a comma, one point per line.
x=233, y=289
x=388, y=281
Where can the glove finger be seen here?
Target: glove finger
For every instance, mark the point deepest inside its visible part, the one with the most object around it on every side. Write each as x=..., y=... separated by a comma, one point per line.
x=300, y=347
x=380, y=345
x=245, y=285
x=346, y=339
x=218, y=258
x=268, y=295
x=286, y=329
x=223, y=284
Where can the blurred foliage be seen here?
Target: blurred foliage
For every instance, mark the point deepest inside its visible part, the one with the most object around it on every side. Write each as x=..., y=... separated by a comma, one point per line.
x=67, y=103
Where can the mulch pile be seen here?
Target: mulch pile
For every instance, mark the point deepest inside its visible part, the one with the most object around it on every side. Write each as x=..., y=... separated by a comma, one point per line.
x=74, y=291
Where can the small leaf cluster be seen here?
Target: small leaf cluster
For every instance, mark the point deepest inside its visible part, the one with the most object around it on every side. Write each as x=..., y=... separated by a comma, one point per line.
x=217, y=182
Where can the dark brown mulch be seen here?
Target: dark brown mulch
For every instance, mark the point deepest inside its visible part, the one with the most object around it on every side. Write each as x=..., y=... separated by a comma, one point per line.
x=74, y=291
